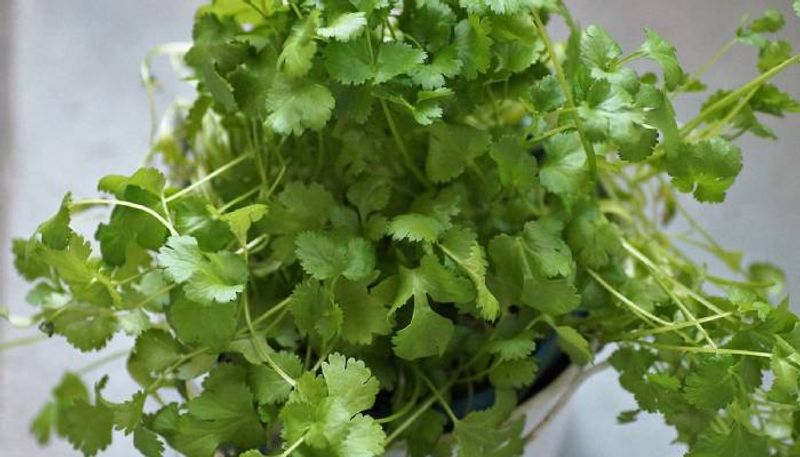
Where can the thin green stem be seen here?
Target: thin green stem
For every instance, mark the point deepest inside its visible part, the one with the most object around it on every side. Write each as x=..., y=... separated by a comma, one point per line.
x=293, y=447
x=706, y=66
x=401, y=146
x=208, y=177
x=715, y=129
x=551, y=133
x=110, y=202
x=738, y=93
x=677, y=326
x=24, y=341
x=102, y=361
x=706, y=350
x=567, y=89
x=437, y=395
x=638, y=310
x=411, y=419
x=259, y=345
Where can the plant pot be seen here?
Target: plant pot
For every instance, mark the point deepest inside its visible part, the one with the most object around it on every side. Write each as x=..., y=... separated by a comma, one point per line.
x=546, y=417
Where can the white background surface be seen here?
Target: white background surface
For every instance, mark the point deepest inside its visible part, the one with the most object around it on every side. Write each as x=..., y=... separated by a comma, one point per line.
x=78, y=113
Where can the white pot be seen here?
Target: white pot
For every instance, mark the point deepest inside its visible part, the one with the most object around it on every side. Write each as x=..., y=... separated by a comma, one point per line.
x=548, y=406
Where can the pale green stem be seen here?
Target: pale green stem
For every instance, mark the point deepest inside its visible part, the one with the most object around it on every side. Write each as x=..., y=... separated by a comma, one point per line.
x=738, y=93
x=567, y=89
x=108, y=202
x=705, y=350
x=628, y=302
x=208, y=177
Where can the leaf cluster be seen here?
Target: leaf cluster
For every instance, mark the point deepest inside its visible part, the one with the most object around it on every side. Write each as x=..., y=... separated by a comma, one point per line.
x=373, y=210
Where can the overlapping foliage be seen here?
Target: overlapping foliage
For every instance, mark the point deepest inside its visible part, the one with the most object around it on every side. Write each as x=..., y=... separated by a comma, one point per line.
x=372, y=208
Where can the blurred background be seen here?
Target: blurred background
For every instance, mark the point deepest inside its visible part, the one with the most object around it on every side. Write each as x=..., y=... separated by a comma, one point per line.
x=72, y=109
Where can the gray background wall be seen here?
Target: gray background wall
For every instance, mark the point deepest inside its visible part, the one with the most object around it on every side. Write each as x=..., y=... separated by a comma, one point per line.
x=78, y=112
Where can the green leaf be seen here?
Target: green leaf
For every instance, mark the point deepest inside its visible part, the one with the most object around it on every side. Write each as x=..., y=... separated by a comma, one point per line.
x=553, y=297
x=452, y=149
x=208, y=277
x=462, y=247
x=513, y=374
x=297, y=107
x=738, y=442
x=88, y=328
x=369, y=195
x=364, y=316
x=658, y=49
x=593, y=239
x=415, y=227
x=516, y=165
x=147, y=442
x=315, y=311
x=413, y=341
x=473, y=45
x=546, y=94
x=299, y=207
x=445, y=64
x=497, y=6
x=349, y=62
x=488, y=432
x=344, y=27
x=297, y=56
x=214, y=53
x=87, y=427
x=156, y=350
x=221, y=279
x=574, y=344
x=351, y=382
x=706, y=169
x=55, y=231
x=222, y=414
x=241, y=219
x=599, y=52
x=564, y=170
x=712, y=384
x=365, y=438
x=395, y=58
x=210, y=326
x=268, y=386
x=325, y=258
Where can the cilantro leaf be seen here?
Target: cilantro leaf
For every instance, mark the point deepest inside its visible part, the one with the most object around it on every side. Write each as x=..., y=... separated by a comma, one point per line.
x=210, y=326
x=324, y=258
x=411, y=342
x=712, y=385
x=351, y=382
x=55, y=231
x=348, y=62
x=415, y=227
x=297, y=56
x=486, y=433
x=241, y=219
x=706, y=169
x=473, y=44
x=452, y=149
x=574, y=344
x=208, y=277
x=461, y=247
x=564, y=170
x=315, y=310
x=395, y=59
x=658, y=49
x=296, y=107
x=345, y=26
x=364, y=316
x=516, y=166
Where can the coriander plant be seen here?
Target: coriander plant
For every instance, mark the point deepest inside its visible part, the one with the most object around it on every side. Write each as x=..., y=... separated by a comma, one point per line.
x=374, y=210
